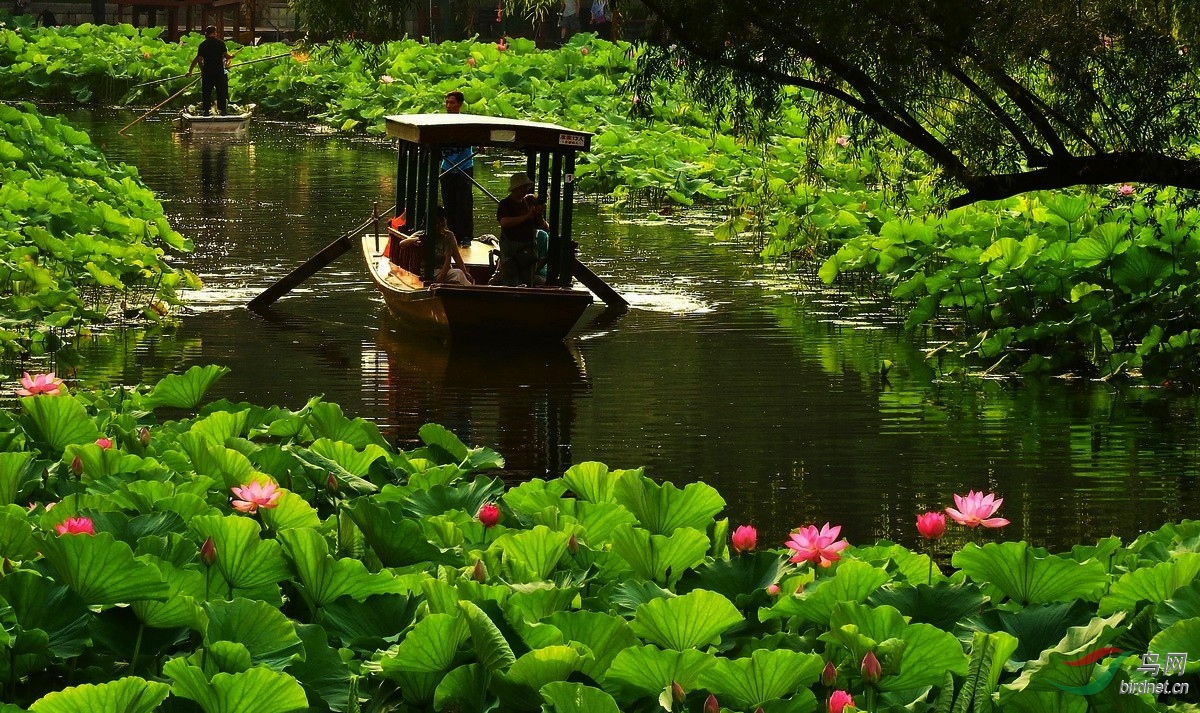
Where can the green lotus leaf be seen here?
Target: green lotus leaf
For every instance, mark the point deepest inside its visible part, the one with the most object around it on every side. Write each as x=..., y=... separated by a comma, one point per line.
x=1153, y=584
x=39, y=603
x=142, y=495
x=691, y=621
x=915, y=567
x=491, y=648
x=1036, y=627
x=599, y=520
x=594, y=483
x=429, y=647
x=220, y=427
x=266, y=632
x=325, y=467
x=327, y=421
x=1070, y=207
x=257, y=690
x=852, y=581
x=467, y=497
x=941, y=605
x=368, y=625
x=764, y=676
x=180, y=608
x=186, y=390
x=536, y=495
x=289, y=513
x=1044, y=701
x=517, y=687
x=660, y=558
x=442, y=441
x=568, y=697
x=534, y=602
x=464, y=689
x=1105, y=242
x=245, y=560
x=1050, y=672
x=226, y=465
x=433, y=476
x=988, y=655
x=1005, y=254
x=323, y=579
x=19, y=475
x=737, y=577
x=1030, y=575
x=55, y=422
x=531, y=555
x=605, y=636
x=321, y=670
x=101, y=569
x=1140, y=269
x=101, y=462
x=663, y=509
x=1183, y=604
x=645, y=671
x=926, y=654
x=1182, y=637
x=128, y=695
x=16, y=534
x=398, y=542
x=347, y=456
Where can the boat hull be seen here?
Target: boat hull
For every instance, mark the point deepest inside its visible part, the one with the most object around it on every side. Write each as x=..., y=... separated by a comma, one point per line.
x=224, y=124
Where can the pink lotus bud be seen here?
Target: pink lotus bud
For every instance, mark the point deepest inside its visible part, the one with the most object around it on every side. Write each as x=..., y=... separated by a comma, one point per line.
x=829, y=675
x=773, y=590
x=931, y=525
x=677, y=693
x=331, y=484
x=208, y=552
x=479, y=574
x=1125, y=189
x=843, y=141
x=471, y=61
x=583, y=51
x=104, y=443
x=572, y=544
x=839, y=700
x=8, y=566
x=77, y=466
x=144, y=436
x=745, y=538
x=489, y=514
x=870, y=668
x=711, y=705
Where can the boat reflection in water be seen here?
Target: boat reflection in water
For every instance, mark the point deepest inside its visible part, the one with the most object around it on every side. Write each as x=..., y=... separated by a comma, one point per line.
x=521, y=401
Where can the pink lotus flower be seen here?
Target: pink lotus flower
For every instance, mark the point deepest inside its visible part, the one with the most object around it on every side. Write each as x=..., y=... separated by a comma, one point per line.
x=977, y=509
x=75, y=526
x=745, y=538
x=843, y=141
x=502, y=45
x=931, y=525
x=839, y=700
x=489, y=514
x=46, y=384
x=104, y=443
x=818, y=547
x=386, y=78
x=255, y=494
x=1125, y=189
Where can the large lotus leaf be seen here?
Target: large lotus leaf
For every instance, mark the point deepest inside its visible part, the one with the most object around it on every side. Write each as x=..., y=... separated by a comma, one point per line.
x=321, y=670
x=1153, y=584
x=444, y=443
x=227, y=466
x=594, y=483
x=534, y=496
x=737, y=577
x=99, y=463
x=258, y=690
x=55, y=422
x=1069, y=207
x=988, y=655
x=1183, y=604
x=565, y=697
x=40, y=603
x=323, y=579
x=1004, y=255
x=517, y=687
x=663, y=509
x=915, y=567
x=185, y=390
x=662, y=558
x=764, y=676
x=1103, y=243
x=645, y=671
x=327, y=421
x=371, y=624
x=101, y=569
x=1140, y=269
x=429, y=647
x=290, y=512
x=323, y=467
x=467, y=497
x=691, y=621
x=397, y=543
x=852, y=581
x=1051, y=673
x=347, y=456
x=631, y=594
x=19, y=474
x=1037, y=627
x=186, y=586
x=534, y=602
x=1030, y=575
x=266, y=632
x=1043, y=701
x=465, y=689
x=927, y=652
x=605, y=636
x=16, y=534
x=531, y=555
x=127, y=695
x=245, y=560
x=599, y=520
x=142, y=495
x=1182, y=637
x=491, y=648
x=941, y=605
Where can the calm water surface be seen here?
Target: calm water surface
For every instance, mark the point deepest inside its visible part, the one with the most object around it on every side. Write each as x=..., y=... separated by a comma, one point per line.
x=724, y=371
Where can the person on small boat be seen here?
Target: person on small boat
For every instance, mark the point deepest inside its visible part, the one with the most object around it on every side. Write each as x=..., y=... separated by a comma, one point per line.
x=520, y=215
x=447, y=247
x=214, y=59
x=458, y=170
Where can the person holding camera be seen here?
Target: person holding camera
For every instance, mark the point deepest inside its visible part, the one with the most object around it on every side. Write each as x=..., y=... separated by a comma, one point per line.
x=520, y=215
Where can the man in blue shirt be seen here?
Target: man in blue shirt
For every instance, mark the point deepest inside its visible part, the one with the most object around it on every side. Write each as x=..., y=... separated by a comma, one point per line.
x=458, y=172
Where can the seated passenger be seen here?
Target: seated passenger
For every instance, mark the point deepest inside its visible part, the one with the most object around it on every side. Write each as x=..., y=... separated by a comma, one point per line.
x=446, y=246
x=520, y=214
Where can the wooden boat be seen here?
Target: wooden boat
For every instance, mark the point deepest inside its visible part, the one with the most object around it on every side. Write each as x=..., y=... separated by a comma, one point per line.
x=220, y=124
x=505, y=314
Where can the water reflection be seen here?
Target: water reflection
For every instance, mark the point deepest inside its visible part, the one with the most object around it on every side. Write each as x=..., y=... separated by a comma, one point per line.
x=214, y=172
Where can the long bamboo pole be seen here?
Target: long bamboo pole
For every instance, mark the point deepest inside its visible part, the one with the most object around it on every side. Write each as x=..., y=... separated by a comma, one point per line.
x=235, y=64
x=159, y=105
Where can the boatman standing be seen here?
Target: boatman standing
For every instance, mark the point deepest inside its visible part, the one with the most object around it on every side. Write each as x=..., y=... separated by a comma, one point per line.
x=214, y=61
x=458, y=172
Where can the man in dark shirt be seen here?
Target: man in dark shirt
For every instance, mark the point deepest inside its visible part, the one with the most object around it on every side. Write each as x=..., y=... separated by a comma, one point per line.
x=458, y=172
x=213, y=59
x=520, y=215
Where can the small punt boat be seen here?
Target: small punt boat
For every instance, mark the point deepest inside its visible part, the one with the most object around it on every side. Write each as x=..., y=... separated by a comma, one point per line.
x=502, y=314
x=198, y=122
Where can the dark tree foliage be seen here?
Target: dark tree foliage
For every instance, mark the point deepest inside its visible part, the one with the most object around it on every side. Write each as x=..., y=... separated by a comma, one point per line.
x=373, y=21
x=1003, y=96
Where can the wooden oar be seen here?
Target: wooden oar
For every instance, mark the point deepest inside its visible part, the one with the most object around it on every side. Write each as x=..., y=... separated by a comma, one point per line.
x=159, y=105
x=235, y=64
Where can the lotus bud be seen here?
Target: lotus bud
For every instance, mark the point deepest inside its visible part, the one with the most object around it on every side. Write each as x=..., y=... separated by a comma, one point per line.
x=773, y=590
x=759, y=710
x=677, y=693
x=331, y=484
x=870, y=668
x=829, y=675
x=144, y=436
x=745, y=538
x=572, y=545
x=711, y=705
x=489, y=514
x=77, y=466
x=480, y=572
x=471, y=61
x=583, y=51
x=208, y=552
x=8, y=566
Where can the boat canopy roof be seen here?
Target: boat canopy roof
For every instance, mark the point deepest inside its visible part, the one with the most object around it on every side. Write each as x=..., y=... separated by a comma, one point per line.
x=475, y=130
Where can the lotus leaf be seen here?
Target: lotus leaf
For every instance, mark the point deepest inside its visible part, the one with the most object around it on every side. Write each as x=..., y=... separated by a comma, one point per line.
x=517, y=687
x=1029, y=575
x=531, y=555
x=102, y=569
x=467, y=497
x=663, y=509
x=942, y=605
x=266, y=632
x=659, y=557
x=1036, y=627
x=566, y=697
x=186, y=390
x=1182, y=637
x=180, y=607
x=429, y=647
x=536, y=495
x=690, y=621
x=327, y=421
x=258, y=690
x=603, y=634
x=645, y=671
x=16, y=535
x=321, y=670
x=764, y=676
x=1152, y=584
x=290, y=512
x=852, y=581
x=491, y=648
x=37, y=603
x=55, y=422
x=594, y=483
x=244, y=559
x=1050, y=673
x=736, y=578
x=322, y=578
x=464, y=689
x=18, y=475
x=128, y=695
